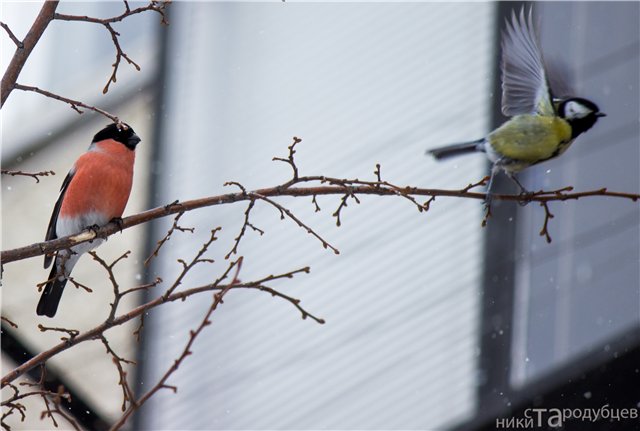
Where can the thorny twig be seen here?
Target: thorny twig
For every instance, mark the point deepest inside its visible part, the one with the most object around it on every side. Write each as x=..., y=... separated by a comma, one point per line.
x=34, y=175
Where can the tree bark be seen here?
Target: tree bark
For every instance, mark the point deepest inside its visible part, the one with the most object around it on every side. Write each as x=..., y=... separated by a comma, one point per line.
x=22, y=53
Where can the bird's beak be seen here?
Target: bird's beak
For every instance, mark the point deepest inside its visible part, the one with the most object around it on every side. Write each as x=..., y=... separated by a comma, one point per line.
x=600, y=114
x=134, y=140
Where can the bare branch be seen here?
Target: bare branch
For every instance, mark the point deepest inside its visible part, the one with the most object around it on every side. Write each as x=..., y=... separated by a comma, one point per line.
x=9, y=322
x=246, y=224
x=73, y=333
x=48, y=397
x=127, y=393
x=167, y=237
x=547, y=217
x=48, y=14
x=45, y=16
x=74, y=104
x=112, y=278
x=291, y=161
x=34, y=175
x=377, y=172
x=155, y=6
x=343, y=204
x=284, y=211
x=294, y=301
x=337, y=187
x=186, y=267
x=97, y=331
x=120, y=54
x=482, y=182
x=193, y=334
x=12, y=36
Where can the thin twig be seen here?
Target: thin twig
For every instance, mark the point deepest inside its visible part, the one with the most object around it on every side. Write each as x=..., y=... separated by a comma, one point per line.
x=167, y=237
x=158, y=7
x=45, y=16
x=117, y=296
x=193, y=334
x=292, y=300
x=74, y=104
x=9, y=322
x=547, y=217
x=285, y=212
x=96, y=332
x=290, y=160
x=12, y=36
x=127, y=393
x=72, y=333
x=186, y=267
x=246, y=224
x=33, y=175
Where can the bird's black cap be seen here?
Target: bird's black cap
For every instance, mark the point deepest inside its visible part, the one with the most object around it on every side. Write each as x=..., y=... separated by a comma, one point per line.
x=119, y=132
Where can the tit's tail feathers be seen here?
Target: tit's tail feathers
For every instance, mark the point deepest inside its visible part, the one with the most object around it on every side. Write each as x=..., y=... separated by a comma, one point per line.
x=457, y=149
x=50, y=298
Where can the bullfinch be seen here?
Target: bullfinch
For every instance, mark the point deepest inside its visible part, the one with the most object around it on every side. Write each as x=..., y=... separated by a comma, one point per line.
x=95, y=191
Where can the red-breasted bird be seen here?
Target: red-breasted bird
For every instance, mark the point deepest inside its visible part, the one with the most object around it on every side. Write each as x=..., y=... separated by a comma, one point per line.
x=95, y=191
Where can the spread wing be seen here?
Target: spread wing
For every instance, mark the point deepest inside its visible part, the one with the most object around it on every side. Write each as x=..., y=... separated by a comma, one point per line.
x=560, y=77
x=525, y=89
x=51, y=230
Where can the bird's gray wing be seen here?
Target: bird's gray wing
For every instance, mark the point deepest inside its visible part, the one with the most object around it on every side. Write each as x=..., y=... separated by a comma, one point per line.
x=525, y=89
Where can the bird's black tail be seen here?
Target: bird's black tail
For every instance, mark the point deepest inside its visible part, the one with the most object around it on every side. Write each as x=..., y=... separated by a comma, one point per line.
x=51, y=295
x=457, y=149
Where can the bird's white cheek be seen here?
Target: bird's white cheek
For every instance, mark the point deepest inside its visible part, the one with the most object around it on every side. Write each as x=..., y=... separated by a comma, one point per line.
x=576, y=110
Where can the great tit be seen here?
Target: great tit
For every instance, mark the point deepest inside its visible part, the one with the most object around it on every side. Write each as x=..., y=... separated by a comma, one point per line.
x=542, y=127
